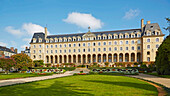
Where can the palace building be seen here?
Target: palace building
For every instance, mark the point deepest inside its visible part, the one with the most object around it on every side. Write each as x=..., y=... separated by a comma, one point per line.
x=125, y=46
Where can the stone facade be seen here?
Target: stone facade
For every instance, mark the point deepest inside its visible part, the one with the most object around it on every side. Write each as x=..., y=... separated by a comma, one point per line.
x=132, y=45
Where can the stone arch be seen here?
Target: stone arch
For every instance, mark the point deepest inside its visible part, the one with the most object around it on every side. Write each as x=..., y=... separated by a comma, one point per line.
x=110, y=57
x=138, y=57
x=51, y=57
x=88, y=58
x=65, y=59
x=74, y=58
x=127, y=57
x=56, y=59
x=115, y=57
x=121, y=57
x=104, y=57
x=132, y=57
x=79, y=58
x=84, y=58
x=60, y=58
x=99, y=58
x=69, y=58
x=47, y=58
x=94, y=58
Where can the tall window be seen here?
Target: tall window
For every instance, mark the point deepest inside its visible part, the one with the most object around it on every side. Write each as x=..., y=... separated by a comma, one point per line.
x=60, y=45
x=110, y=43
x=69, y=45
x=88, y=44
x=99, y=44
x=157, y=39
x=127, y=48
x=121, y=42
x=65, y=45
x=148, y=59
x=148, y=46
x=148, y=40
x=133, y=42
x=104, y=43
x=34, y=46
x=39, y=51
x=99, y=49
x=88, y=49
x=115, y=48
x=138, y=41
x=55, y=46
x=84, y=44
x=138, y=47
x=94, y=44
x=94, y=49
x=51, y=51
x=55, y=51
x=51, y=46
x=157, y=46
x=78, y=50
x=115, y=43
x=133, y=48
x=121, y=48
x=74, y=45
x=104, y=49
x=47, y=46
x=127, y=42
x=110, y=49
x=84, y=50
x=74, y=50
x=69, y=50
x=39, y=46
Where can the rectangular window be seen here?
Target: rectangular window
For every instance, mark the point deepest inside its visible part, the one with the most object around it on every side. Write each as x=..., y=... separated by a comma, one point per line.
x=39, y=51
x=115, y=48
x=133, y=48
x=55, y=51
x=94, y=44
x=110, y=43
x=74, y=45
x=84, y=50
x=74, y=50
x=148, y=46
x=47, y=46
x=98, y=49
x=115, y=43
x=69, y=45
x=104, y=43
x=148, y=59
x=89, y=50
x=99, y=44
x=138, y=47
x=47, y=51
x=110, y=49
x=51, y=46
x=55, y=46
x=94, y=50
x=148, y=40
x=127, y=42
x=84, y=44
x=60, y=45
x=39, y=46
x=69, y=50
x=60, y=51
x=88, y=44
x=121, y=48
x=127, y=48
x=64, y=51
x=133, y=42
x=51, y=51
x=78, y=50
x=104, y=49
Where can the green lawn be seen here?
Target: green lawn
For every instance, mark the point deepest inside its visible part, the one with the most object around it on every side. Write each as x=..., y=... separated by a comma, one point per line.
x=164, y=76
x=18, y=75
x=86, y=85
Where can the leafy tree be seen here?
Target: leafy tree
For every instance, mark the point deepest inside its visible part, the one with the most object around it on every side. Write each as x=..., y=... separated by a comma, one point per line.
x=38, y=63
x=106, y=63
x=22, y=60
x=168, y=28
x=7, y=63
x=163, y=58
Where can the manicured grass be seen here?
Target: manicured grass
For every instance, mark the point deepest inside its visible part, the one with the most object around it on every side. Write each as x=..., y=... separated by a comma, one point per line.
x=86, y=85
x=18, y=75
x=164, y=76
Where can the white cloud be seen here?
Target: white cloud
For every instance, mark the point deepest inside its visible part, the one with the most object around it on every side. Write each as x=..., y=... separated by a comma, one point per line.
x=13, y=31
x=83, y=20
x=131, y=14
x=26, y=29
x=3, y=44
x=26, y=40
x=23, y=46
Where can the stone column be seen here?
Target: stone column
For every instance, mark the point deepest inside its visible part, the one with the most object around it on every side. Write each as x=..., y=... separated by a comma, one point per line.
x=107, y=58
x=123, y=57
x=129, y=57
x=91, y=59
x=58, y=59
x=71, y=58
x=67, y=58
x=101, y=58
x=49, y=59
x=97, y=58
x=62, y=58
x=117, y=57
x=136, y=57
x=76, y=58
x=54, y=59
x=81, y=59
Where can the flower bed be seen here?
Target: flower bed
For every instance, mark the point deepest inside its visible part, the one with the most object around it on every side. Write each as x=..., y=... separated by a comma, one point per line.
x=43, y=71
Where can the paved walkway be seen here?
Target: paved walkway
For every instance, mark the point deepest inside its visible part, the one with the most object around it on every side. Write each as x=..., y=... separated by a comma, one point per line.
x=160, y=80
x=31, y=79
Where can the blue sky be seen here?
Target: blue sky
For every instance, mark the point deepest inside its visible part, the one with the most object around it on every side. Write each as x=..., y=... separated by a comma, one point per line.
x=19, y=19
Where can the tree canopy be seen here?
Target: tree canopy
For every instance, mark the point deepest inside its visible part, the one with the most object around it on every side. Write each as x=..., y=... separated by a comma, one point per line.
x=22, y=60
x=7, y=63
x=163, y=58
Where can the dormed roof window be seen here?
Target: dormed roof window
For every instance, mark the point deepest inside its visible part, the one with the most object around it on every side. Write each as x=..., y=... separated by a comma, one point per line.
x=34, y=40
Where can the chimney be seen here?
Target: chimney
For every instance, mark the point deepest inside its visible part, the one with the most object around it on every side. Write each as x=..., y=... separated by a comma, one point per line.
x=29, y=47
x=142, y=24
x=26, y=47
x=45, y=32
x=12, y=49
x=148, y=22
x=16, y=50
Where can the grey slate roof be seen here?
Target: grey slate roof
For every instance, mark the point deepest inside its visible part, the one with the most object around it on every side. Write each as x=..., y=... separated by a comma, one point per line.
x=152, y=27
x=5, y=49
x=96, y=33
